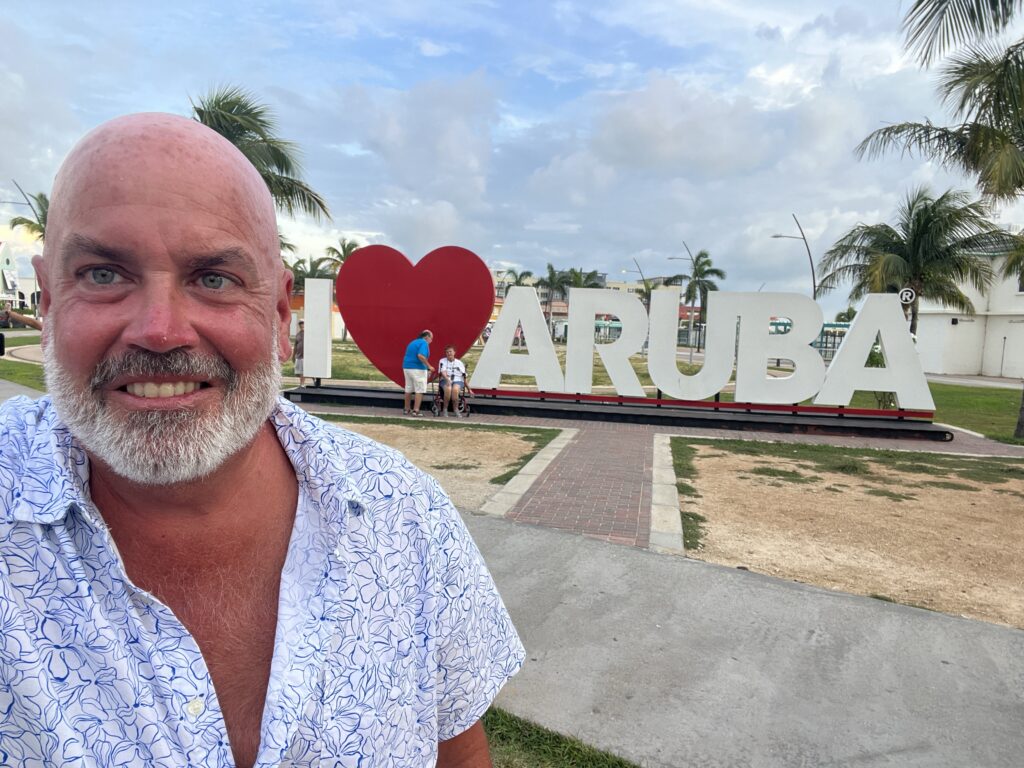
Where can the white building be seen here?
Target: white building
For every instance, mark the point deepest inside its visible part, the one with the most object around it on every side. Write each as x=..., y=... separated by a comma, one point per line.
x=988, y=343
x=18, y=289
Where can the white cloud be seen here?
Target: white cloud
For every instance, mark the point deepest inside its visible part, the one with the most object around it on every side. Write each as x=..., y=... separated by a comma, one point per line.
x=581, y=134
x=431, y=49
x=673, y=130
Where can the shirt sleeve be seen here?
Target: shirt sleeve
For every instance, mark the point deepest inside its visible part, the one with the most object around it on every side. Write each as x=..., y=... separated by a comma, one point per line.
x=478, y=649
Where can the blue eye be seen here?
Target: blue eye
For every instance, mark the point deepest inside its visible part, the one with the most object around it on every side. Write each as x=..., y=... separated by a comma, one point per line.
x=213, y=281
x=102, y=275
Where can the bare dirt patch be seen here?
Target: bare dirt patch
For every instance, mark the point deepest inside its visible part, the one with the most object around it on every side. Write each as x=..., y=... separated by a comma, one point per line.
x=462, y=460
x=930, y=540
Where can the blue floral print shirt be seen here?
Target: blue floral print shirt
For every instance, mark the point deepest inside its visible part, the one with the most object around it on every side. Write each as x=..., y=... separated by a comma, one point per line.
x=391, y=635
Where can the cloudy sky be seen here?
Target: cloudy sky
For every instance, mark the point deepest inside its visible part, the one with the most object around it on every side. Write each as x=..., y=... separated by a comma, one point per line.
x=585, y=134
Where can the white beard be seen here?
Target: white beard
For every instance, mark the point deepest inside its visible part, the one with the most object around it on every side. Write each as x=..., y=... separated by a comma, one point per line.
x=165, y=447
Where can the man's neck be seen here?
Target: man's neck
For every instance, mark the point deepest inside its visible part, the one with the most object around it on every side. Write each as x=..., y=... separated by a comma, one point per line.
x=257, y=481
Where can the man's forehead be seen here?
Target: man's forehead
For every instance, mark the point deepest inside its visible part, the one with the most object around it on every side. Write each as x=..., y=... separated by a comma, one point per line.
x=166, y=161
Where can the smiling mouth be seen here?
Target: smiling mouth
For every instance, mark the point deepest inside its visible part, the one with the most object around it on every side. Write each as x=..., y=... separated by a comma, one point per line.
x=152, y=389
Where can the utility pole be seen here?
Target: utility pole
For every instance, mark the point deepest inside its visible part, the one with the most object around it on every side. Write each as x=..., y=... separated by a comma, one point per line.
x=689, y=307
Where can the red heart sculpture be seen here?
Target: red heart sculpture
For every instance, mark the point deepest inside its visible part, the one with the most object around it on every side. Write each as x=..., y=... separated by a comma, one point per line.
x=386, y=302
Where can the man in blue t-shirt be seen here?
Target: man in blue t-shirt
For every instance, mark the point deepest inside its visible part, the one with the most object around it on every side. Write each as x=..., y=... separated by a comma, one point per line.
x=415, y=364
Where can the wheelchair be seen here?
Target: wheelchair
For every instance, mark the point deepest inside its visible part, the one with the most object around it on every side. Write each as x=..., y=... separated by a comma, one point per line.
x=437, y=399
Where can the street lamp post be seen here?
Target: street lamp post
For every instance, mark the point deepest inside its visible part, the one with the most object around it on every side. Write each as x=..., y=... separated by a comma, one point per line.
x=810, y=258
x=689, y=308
x=647, y=287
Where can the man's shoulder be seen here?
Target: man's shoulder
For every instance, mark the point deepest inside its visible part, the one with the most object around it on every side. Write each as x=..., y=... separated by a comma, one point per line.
x=329, y=455
x=28, y=461
x=22, y=419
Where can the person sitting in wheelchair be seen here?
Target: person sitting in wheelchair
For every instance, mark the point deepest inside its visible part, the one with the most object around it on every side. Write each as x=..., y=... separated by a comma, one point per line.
x=453, y=381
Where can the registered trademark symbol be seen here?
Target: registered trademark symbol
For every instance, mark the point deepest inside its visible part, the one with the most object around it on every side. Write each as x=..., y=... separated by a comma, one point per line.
x=907, y=296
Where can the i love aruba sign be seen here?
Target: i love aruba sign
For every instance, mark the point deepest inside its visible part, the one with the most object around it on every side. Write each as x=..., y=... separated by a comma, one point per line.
x=386, y=301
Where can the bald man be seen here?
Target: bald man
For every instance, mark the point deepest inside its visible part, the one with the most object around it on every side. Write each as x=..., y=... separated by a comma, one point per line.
x=193, y=571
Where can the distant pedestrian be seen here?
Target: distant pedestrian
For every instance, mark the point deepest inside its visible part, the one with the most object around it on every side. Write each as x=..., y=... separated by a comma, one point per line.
x=415, y=365
x=299, y=351
x=453, y=380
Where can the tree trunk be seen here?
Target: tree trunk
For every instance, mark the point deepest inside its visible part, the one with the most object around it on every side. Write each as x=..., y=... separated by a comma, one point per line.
x=1019, y=432
x=913, y=317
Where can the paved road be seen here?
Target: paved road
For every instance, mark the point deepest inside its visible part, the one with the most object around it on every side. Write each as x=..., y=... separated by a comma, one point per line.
x=9, y=389
x=674, y=662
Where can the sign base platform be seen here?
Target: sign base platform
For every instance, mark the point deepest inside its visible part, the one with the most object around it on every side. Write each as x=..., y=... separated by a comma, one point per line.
x=751, y=417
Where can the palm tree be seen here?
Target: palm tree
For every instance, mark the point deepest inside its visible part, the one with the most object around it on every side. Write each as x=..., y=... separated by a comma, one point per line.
x=284, y=244
x=342, y=252
x=700, y=282
x=645, y=292
x=577, y=278
x=337, y=257
x=40, y=205
x=555, y=281
x=934, y=26
x=510, y=278
x=937, y=244
x=310, y=268
x=237, y=116
x=986, y=87
x=513, y=278
x=846, y=316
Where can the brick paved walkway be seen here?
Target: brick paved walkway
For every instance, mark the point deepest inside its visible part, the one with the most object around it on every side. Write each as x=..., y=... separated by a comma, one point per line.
x=600, y=484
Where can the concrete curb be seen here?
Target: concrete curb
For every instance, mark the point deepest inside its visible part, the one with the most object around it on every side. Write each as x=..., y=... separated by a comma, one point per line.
x=666, y=524
x=501, y=503
x=960, y=429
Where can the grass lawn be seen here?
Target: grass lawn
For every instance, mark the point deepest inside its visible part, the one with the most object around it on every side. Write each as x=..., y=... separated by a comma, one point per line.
x=518, y=743
x=20, y=341
x=860, y=463
x=23, y=373
x=539, y=437
x=992, y=412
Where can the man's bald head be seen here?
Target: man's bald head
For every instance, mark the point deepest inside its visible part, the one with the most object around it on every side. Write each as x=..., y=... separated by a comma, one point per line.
x=148, y=159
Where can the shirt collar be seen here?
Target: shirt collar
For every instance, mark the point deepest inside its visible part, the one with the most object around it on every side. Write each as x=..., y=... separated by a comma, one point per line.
x=52, y=471
x=53, y=468
x=318, y=456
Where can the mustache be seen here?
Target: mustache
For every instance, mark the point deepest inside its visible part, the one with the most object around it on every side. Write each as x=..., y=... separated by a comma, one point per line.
x=141, y=363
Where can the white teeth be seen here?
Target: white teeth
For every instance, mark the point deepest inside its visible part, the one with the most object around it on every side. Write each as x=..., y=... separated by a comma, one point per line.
x=163, y=389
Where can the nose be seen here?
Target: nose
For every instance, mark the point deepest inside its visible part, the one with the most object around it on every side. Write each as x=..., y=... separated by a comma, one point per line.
x=162, y=321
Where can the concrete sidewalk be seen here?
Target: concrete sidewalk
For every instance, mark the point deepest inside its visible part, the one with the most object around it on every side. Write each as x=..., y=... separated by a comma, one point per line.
x=673, y=662
x=9, y=389
x=985, y=382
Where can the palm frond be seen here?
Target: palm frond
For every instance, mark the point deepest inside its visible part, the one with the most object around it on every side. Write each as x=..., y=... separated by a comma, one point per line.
x=944, y=144
x=937, y=245
x=933, y=27
x=239, y=117
x=291, y=193
x=29, y=225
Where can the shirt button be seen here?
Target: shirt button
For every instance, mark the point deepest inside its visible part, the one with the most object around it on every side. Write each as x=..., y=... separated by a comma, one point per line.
x=195, y=707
